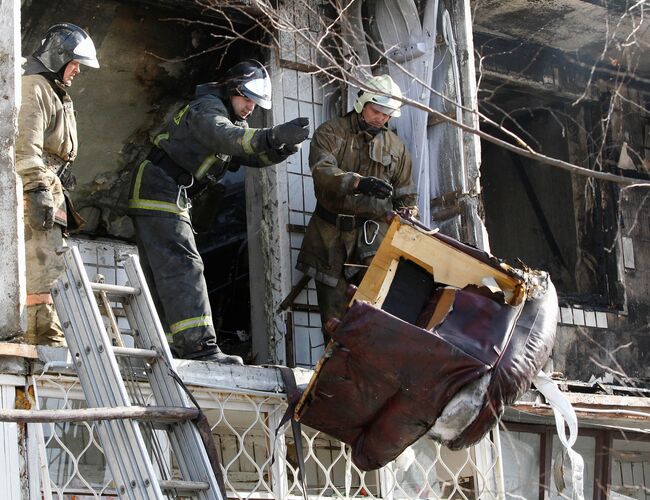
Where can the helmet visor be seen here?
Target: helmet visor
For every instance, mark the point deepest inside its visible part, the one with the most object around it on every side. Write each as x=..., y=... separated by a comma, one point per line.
x=387, y=105
x=259, y=90
x=388, y=111
x=85, y=53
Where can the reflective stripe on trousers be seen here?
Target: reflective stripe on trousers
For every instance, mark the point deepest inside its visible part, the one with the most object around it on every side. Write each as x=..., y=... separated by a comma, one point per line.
x=174, y=272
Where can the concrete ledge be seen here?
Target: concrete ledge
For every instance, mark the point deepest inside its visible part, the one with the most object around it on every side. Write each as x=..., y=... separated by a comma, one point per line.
x=248, y=378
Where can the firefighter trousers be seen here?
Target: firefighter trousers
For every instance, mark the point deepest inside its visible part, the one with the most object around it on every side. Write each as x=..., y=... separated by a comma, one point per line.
x=174, y=271
x=333, y=301
x=44, y=264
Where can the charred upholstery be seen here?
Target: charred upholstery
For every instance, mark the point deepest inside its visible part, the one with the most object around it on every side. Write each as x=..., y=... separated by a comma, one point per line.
x=384, y=382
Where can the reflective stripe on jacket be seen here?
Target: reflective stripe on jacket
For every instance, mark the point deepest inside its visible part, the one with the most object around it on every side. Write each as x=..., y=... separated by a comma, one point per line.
x=200, y=138
x=154, y=192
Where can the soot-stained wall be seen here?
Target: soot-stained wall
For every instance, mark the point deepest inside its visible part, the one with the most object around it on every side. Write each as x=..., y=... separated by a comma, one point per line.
x=594, y=238
x=151, y=60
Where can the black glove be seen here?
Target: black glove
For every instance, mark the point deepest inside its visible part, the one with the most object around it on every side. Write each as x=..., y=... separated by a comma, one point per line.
x=293, y=132
x=289, y=149
x=373, y=186
x=41, y=209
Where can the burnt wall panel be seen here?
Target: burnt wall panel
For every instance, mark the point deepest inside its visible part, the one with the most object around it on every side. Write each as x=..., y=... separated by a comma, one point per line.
x=151, y=59
x=605, y=325
x=527, y=203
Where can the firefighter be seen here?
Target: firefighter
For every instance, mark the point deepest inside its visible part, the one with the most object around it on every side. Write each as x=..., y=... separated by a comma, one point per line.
x=361, y=171
x=201, y=141
x=46, y=146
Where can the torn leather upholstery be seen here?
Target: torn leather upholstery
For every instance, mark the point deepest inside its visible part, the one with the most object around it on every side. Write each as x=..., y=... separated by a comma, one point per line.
x=384, y=382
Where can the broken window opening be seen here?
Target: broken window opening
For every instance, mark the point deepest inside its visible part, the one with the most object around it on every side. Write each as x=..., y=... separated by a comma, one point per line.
x=220, y=221
x=543, y=215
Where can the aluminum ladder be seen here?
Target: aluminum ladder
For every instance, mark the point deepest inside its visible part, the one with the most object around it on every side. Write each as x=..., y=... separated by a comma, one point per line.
x=94, y=356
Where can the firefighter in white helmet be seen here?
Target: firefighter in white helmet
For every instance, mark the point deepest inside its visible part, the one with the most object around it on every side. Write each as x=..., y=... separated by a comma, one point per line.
x=361, y=172
x=45, y=148
x=204, y=139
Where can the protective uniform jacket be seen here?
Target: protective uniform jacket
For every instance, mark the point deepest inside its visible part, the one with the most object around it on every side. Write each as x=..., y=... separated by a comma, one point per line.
x=202, y=141
x=341, y=152
x=47, y=137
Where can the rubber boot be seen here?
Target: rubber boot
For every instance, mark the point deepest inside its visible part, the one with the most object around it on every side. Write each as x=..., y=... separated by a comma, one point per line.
x=221, y=357
x=215, y=356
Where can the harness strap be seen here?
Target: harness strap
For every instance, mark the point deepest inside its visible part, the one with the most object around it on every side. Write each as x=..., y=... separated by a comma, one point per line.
x=159, y=157
x=203, y=426
x=343, y=222
x=293, y=396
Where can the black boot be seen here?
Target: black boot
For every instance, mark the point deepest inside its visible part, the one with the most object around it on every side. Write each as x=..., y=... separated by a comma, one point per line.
x=202, y=350
x=221, y=357
x=215, y=355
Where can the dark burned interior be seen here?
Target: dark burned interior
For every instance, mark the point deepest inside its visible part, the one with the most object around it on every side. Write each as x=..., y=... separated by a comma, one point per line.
x=570, y=225
x=544, y=215
x=410, y=291
x=152, y=56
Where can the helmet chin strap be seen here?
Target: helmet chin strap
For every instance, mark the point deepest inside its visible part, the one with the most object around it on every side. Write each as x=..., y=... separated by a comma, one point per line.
x=60, y=73
x=366, y=127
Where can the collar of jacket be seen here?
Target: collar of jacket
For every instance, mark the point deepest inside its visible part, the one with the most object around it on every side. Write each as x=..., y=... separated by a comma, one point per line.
x=211, y=88
x=217, y=90
x=35, y=67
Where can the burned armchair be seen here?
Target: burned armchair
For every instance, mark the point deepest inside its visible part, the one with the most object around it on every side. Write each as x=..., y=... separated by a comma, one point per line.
x=440, y=337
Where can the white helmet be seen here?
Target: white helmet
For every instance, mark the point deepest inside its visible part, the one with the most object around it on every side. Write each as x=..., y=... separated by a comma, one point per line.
x=386, y=98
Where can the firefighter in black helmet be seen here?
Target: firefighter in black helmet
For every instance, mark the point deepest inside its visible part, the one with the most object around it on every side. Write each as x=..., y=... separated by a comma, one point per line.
x=63, y=43
x=45, y=148
x=249, y=79
x=202, y=140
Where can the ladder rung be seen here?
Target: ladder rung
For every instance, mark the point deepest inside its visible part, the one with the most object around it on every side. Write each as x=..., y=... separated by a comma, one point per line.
x=115, y=290
x=126, y=444
x=184, y=485
x=132, y=352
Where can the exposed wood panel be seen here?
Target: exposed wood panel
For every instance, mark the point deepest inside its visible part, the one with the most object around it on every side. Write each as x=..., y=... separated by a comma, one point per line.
x=20, y=350
x=447, y=264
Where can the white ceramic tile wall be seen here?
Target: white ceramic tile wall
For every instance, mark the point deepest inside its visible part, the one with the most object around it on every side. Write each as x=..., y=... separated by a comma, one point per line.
x=590, y=318
x=578, y=317
x=296, y=240
x=582, y=317
x=296, y=195
x=302, y=97
x=601, y=319
x=566, y=315
x=102, y=257
x=296, y=218
x=628, y=252
x=302, y=297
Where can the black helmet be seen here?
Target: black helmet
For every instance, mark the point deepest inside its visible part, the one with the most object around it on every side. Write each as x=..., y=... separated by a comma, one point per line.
x=63, y=43
x=250, y=79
